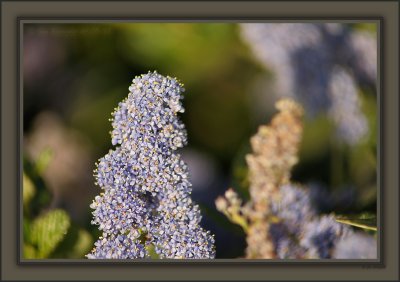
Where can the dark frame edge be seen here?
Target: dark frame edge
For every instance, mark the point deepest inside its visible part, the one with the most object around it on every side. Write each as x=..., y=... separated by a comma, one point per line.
x=370, y=263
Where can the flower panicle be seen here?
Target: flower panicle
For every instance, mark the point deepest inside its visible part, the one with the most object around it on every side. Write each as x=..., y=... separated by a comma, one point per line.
x=145, y=202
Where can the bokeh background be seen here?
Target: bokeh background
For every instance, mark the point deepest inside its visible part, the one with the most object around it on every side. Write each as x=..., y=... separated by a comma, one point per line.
x=74, y=75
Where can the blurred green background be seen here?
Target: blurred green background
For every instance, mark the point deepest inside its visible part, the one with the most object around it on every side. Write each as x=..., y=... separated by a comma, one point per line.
x=75, y=75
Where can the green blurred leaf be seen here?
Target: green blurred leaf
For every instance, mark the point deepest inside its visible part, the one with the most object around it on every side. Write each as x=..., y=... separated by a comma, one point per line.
x=83, y=244
x=43, y=160
x=28, y=191
x=364, y=221
x=42, y=195
x=76, y=244
x=29, y=251
x=48, y=230
x=26, y=225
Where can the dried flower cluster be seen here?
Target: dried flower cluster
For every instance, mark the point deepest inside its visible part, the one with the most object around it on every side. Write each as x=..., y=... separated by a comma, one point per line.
x=310, y=60
x=274, y=153
x=279, y=220
x=145, y=204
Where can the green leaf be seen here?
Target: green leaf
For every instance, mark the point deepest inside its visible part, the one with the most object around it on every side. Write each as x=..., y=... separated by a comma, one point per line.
x=221, y=220
x=48, y=231
x=152, y=252
x=364, y=221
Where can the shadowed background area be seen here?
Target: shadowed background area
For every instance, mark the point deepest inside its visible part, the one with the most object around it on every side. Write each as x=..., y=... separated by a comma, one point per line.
x=75, y=74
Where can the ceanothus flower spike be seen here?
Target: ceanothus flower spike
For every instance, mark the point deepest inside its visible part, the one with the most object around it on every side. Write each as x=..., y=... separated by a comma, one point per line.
x=145, y=204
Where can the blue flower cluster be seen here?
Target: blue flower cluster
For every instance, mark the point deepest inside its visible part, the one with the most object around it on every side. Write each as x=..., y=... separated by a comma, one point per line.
x=321, y=66
x=321, y=235
x=146, y=192
x=345, y=108
x=300, y=232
